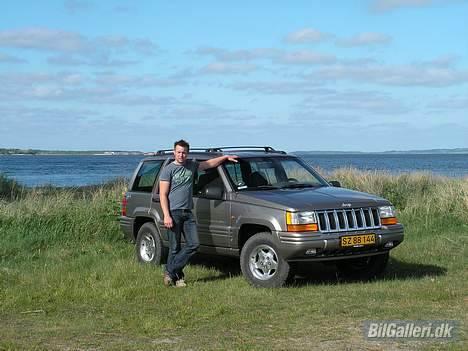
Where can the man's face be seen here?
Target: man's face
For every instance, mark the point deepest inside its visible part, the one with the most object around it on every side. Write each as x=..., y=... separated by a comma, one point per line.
x=180, y=154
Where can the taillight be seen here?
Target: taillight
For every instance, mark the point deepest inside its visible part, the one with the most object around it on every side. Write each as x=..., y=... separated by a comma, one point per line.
x=123, y=208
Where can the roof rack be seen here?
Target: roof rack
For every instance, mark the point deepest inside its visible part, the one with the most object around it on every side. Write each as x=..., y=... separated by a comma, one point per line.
x=221, y=149
x=245, y=148
x=163, y=152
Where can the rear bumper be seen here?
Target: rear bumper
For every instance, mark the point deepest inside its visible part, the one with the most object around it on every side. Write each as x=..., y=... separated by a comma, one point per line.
x=323, y=247
x=127, y=225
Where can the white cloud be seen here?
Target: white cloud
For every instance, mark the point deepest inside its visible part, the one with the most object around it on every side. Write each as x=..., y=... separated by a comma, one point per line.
x=355, y=102
x=306, y=35
x=277, y=87
x=302, y=57
x=6, y=58
x=305, y=57
x=78, y=88
x=398, y=75
x=390, y=5
x=227, y=68
x=445, y=61
x=137, y=81
x=120, y=43
x=44, y=39
x=75, y=6
x=224, y=55
x=364, y=39
x=75, y=49
x=92, y=60
x=452, y=103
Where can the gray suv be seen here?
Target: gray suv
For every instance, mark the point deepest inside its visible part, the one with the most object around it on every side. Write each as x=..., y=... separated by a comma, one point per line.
x=272, y=210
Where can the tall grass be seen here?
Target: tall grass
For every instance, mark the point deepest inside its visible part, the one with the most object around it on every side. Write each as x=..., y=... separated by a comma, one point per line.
x=46, y=217
x=68, y=280
x=9, y=188
x=415, y=195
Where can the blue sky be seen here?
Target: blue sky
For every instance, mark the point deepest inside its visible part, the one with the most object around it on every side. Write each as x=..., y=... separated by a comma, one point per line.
x=300, y=75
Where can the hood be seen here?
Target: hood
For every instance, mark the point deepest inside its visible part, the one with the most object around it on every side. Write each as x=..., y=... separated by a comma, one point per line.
x=307, y=199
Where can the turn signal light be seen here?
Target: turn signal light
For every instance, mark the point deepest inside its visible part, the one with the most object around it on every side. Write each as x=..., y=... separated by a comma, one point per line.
x=389, y=221
x=312, y=227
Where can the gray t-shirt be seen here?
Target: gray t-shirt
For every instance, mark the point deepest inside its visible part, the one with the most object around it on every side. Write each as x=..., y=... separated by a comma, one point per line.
x=181, y=183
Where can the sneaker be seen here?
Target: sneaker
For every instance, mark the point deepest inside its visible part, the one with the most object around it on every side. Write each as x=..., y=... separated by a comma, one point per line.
x=167, y=279
x=180, y=283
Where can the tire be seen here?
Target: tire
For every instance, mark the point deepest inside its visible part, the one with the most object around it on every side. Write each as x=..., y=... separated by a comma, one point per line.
x=149, y=248
x=364, y=268
x=261, y=263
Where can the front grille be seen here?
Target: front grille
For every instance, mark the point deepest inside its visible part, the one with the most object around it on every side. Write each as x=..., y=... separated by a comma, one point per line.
x=348, y=220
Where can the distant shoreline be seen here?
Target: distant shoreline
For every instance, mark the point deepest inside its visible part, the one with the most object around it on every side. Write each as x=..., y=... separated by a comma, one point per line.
x=33, y=152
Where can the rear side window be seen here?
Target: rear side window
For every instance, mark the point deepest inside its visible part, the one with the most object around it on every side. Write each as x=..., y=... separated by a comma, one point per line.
x=146, y=176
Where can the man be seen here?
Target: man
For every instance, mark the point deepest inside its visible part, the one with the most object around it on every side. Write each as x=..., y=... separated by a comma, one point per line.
x=175, y=190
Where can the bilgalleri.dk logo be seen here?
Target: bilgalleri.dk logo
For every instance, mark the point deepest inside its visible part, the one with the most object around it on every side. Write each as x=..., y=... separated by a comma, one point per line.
x=432, y=330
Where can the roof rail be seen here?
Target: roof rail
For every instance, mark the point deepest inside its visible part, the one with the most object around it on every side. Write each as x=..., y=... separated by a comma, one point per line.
x=245, y=148
x=163, y=152
x=226, y=148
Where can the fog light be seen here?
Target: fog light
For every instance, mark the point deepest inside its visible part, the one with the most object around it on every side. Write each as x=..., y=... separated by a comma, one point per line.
x=311, y=252
x=389, y=244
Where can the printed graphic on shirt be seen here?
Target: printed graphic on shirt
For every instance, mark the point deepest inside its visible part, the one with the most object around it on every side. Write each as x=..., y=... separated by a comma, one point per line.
x=183, y=176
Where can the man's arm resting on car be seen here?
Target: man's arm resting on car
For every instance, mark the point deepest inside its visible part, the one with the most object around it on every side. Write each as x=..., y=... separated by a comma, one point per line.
x=163, y=196
x=215, y=162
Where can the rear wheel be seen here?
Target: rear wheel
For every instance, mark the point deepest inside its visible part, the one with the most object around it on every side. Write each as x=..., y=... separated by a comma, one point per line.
x=261, y=263
x=149, y=248
x=364, y=267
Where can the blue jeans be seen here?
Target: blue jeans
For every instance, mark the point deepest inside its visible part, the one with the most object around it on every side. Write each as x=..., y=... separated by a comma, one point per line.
x=183, y=222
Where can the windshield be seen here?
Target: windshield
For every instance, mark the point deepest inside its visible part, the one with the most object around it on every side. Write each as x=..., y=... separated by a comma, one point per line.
x=263, y=173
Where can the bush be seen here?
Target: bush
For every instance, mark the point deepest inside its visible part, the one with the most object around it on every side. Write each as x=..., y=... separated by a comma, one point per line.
x=10, y=189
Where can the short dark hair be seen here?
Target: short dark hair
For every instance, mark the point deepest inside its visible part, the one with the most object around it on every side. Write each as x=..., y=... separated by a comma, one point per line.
x=182, y=143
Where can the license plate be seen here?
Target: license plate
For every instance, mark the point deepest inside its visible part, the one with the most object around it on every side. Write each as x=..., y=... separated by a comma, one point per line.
x=358, y=240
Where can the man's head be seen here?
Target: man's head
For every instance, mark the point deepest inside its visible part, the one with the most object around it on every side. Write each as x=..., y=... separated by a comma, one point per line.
x=181, y=150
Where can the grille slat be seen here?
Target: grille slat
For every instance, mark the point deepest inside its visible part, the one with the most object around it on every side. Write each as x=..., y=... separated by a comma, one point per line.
x=338, y=220
x=327, y=222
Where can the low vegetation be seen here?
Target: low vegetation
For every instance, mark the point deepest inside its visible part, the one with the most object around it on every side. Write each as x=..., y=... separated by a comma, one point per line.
x=68, y=279
x=9, y=188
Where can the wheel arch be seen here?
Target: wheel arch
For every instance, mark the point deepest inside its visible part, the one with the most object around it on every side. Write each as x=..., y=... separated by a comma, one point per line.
x=138, y=223
x=247, y=230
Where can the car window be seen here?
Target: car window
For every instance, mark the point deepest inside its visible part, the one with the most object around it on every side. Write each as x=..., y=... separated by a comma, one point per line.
x=235, y=173
x=206, y=178
x=270, y=172
x=146, y=176
x=295, y=171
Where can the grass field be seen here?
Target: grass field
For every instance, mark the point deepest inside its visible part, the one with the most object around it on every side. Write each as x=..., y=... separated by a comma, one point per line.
x=68, y=280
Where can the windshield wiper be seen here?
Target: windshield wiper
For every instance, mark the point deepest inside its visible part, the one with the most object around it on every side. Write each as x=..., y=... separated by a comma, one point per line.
x=262, y=187
x=299, y=185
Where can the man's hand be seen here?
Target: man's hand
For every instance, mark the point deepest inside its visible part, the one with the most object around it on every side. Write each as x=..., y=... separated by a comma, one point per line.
x=215, y=162
x=168, y=222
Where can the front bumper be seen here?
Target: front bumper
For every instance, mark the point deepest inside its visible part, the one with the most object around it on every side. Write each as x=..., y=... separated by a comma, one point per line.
x=300, y=246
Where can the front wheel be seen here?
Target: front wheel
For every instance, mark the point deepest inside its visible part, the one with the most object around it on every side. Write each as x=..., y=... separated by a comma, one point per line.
x=149, y=248
x=364, y=268
x=261, y=263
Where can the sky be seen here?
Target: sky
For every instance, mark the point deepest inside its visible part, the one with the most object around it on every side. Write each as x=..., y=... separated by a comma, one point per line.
x=369, y=75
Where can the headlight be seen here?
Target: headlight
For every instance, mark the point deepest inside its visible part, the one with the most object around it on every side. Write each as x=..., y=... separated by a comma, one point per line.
x=387, y=211
x=387, y=215
x=301, y=221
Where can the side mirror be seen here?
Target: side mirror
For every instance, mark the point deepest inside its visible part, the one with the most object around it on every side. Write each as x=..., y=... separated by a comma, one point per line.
x=214, y=192
x=335, y=183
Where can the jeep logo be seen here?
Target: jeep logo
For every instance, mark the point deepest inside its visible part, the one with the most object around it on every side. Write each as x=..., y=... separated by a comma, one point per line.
x=345, y=205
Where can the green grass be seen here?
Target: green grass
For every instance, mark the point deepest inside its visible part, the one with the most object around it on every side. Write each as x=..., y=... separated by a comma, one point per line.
x=68, y=280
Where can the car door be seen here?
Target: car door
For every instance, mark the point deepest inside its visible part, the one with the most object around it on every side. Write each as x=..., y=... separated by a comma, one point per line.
x=213, y=215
